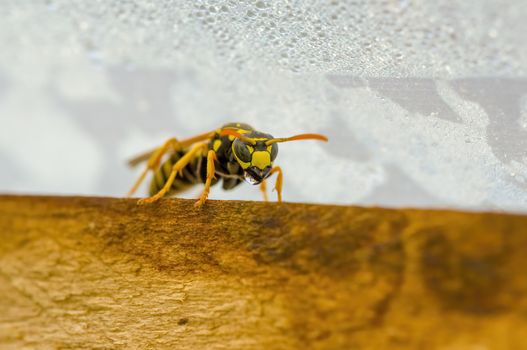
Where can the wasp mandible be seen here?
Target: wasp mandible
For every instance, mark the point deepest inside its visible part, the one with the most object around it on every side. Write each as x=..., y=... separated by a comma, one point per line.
x=233, y=153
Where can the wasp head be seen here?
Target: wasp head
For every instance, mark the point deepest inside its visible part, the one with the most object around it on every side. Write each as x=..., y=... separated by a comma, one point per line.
x=256, y=151
x=255, y=156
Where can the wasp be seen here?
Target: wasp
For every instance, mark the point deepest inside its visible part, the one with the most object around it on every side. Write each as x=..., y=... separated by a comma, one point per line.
x=233, y=153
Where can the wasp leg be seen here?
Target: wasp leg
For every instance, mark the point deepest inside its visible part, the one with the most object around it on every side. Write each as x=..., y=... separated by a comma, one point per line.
x=153, y=161
x=178, y=167
x=154, y=157
x=279, y=181
x=263, y=189
x=211, y=170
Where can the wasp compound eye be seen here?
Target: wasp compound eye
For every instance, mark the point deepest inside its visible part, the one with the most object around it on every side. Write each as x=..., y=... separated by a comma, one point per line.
x=274, y=151
x=242, y=151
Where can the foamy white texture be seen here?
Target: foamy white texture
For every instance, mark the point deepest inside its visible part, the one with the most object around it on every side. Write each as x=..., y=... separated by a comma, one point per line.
x=400, y=87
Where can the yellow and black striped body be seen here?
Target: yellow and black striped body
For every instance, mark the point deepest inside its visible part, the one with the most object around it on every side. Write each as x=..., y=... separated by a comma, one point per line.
x=194, y=173
x=227, y=167
x=233, y=153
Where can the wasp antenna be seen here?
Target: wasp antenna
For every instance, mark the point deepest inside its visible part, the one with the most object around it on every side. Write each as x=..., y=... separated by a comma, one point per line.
x=230, y=132
x=299, y=137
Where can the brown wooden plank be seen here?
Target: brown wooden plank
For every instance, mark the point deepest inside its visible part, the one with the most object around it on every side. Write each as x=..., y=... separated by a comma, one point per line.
x=106, y=273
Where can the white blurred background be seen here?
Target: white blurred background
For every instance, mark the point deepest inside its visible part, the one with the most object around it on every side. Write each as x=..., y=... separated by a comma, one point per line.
x=425, y=102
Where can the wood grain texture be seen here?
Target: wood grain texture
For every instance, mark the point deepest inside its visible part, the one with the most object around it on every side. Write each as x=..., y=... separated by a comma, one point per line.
x=100, y=273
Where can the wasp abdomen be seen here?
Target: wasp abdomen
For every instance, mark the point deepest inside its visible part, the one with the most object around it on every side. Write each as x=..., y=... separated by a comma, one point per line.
x=193, y=173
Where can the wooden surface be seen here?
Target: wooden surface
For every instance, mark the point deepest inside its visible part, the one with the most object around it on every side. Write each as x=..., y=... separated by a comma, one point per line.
x=101, y=273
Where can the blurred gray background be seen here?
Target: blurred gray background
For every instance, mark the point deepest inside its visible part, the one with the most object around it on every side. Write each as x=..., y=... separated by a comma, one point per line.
x=425, y=102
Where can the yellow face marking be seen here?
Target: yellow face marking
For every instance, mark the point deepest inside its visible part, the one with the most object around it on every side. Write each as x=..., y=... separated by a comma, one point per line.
x=269, y=148
x=216, y=145
x=250, y=148
x=261, y=159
